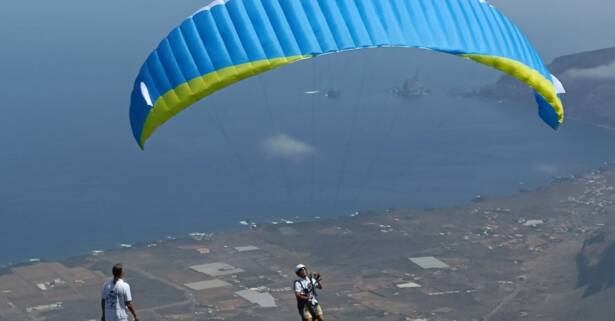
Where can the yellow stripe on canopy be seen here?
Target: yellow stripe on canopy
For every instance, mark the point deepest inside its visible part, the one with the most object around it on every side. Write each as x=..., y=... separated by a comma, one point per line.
x=186, y=94
x=527, y=75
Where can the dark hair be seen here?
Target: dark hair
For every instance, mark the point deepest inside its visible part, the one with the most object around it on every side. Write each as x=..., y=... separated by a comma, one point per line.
x=117, y=270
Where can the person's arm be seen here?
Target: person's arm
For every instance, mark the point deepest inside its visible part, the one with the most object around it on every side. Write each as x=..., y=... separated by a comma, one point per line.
x=299, y=292
x=316, y=277
x=129, y=304
x=102, y=307
x=132, y=310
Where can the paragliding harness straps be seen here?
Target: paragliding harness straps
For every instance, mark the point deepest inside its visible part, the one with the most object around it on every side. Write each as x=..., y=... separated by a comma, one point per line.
x=302, y=303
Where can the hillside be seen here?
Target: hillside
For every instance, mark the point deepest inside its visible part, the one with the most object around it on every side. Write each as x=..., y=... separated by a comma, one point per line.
x=541, y=255
x=589, y=78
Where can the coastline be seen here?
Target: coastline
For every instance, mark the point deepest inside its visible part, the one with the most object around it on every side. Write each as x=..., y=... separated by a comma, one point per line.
x=505, y=252
x=607, y=167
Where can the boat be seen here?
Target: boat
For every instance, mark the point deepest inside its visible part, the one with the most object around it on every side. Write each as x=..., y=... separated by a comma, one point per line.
x=411, y=88
x=333, y=93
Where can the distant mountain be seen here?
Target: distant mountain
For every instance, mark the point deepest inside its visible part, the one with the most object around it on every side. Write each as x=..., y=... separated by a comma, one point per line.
x=589, y=78
x=596, y=264
x=592, y=296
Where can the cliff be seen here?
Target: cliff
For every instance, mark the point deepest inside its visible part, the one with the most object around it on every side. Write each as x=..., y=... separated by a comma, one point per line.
x=589, y=78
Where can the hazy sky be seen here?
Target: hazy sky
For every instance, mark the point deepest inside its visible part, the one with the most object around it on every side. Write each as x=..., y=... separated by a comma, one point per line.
x=559, y=27
x=67, y=156
x=67, y=50
x=71, y=63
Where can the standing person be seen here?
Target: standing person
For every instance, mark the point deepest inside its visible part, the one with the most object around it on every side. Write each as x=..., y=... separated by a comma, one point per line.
x=116, y=298
x=305, y=292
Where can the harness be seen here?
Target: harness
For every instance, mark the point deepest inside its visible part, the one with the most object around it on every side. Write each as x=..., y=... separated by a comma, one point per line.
x=301, y=304
x=307, y=290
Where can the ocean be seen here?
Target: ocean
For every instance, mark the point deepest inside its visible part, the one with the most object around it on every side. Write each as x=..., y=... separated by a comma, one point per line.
x=73, y=179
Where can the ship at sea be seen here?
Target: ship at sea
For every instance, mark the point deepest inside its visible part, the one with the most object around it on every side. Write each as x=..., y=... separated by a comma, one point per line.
x=411, y=88
x=333, y=93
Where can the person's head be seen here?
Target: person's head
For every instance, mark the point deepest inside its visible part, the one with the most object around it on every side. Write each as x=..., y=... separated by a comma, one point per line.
x=301, y=270
x=118, y=270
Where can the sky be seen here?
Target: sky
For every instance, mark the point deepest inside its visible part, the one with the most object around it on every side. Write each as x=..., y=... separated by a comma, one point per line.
x=61, y=58
x=563, y=27
x=67, y=156
x=102, y=44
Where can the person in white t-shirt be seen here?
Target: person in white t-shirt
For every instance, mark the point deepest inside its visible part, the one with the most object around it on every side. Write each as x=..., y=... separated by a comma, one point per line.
x=116, y=298
x=305, y=293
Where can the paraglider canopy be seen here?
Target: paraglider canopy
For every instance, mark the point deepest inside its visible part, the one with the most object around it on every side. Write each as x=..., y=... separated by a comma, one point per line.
x=230, y=40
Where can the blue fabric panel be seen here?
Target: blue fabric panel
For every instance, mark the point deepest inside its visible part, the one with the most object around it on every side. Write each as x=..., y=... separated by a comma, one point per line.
x=263, y=28
x=182, y=54
x=372, y=23
x=523, y=46
x=390, y=23
x=498, y=42
x=479, y=32
x=300, y=27
x=434, y=23
x=350, y=14
x=531, y=58
x=539, y=64
x=229, y=35
x=146, y=78
x=321, y=29
x=546, y=112
x=470, y=31
x=454, y=26
x=196, y=47
x=206, y=25
x=282, y=29
x=512, y=45
x=402, y=13
x=536, y=62
x=517, y=52
x=418, y=17
x=161, y=82
x=168, y=62
x=245, y=29
x=498, y=28
x=480, y=21
x=337, y=24
x=138, y=110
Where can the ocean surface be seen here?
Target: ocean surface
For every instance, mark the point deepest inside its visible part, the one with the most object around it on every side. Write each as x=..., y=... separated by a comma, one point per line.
x=73, y=179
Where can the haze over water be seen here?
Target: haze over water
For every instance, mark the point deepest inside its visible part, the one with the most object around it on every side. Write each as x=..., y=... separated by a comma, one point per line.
x=74, y=180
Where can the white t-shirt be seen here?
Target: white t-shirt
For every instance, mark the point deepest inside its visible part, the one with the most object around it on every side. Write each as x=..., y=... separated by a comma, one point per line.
x=116, y=296
x=308, y=283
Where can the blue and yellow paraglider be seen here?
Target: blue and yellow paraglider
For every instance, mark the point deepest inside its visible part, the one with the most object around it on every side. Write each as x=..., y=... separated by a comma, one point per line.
x=230, y=40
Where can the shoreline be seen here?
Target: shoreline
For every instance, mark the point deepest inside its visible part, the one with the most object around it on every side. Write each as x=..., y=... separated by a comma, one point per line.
x=607, y=166
x=522, y=245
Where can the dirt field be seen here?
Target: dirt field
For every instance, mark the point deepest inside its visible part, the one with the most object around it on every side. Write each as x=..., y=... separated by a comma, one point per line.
x=508, y=258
